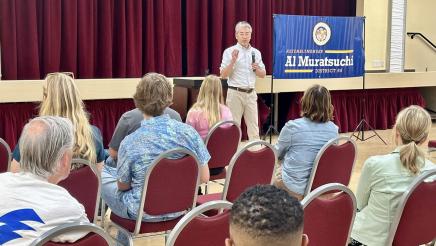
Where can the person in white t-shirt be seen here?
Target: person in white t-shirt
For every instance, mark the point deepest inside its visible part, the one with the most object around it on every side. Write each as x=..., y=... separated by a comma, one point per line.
x=241, y=64
x=31, y=202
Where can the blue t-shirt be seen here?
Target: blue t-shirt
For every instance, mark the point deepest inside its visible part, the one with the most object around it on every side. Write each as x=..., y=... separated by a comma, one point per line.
x=299, y=142
x=96, y=137
x=138, y=150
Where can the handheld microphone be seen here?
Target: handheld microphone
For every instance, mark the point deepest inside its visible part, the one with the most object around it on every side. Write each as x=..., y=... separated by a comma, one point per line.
x=253, y=59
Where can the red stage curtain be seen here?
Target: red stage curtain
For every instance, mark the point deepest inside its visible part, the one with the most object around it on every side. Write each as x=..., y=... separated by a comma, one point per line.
x=91, y=38
x=382, y=106
x=128, y=38
x=210, y=26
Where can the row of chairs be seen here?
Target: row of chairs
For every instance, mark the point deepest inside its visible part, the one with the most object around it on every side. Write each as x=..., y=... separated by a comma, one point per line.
x=326, y=219
x=164, y=192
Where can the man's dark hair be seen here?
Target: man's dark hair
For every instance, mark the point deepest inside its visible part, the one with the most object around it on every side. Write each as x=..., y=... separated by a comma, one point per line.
x=265, y=211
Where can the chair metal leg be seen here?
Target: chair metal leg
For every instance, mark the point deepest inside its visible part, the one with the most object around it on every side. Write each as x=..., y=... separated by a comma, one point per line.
x=102, y=212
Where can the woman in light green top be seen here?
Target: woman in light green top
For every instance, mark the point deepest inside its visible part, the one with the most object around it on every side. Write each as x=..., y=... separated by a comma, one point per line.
x=385, y=178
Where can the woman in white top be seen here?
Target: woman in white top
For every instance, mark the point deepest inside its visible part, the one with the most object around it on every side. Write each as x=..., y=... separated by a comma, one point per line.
x=385, y=178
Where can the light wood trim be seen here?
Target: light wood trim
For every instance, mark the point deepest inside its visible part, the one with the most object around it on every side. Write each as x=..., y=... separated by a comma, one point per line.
x=31, y=90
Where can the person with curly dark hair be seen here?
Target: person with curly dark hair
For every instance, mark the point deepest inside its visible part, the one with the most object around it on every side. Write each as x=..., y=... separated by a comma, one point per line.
x=266, y=215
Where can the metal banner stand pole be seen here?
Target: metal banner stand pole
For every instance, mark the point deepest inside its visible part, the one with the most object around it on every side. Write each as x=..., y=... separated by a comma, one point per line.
x=359, y=132
x=271, y=129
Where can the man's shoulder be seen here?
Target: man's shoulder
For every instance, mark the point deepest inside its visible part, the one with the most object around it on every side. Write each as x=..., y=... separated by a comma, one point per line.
x=134, y=113
x=182, y=128
x=230, y=48
x=254, y=49
x=172, y=113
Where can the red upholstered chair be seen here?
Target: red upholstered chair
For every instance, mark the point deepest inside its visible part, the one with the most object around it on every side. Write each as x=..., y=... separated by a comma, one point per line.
x=5, y=156
x=333, y=164
x=329, y=219
x=196, y=229
x=415, y=219
x=247, y=168
x=222, y=143
x=96, y=237
x=431, y=145
x=84, y=185
x=170, y=185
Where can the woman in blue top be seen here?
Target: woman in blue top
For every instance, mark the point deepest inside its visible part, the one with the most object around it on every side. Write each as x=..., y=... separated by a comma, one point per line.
x=301, y=139
x=61, y=98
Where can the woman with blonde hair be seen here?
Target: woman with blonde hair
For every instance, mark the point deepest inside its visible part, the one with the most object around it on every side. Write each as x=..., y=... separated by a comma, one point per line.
x=209, y=108
x=301, y=139
x=62, y=98
x=385, y=178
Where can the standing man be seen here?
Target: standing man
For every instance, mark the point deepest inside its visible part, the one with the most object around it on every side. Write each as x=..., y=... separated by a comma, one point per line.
x=241, y=64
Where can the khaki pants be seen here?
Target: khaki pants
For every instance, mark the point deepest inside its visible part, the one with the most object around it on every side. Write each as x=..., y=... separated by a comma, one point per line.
x=244, y=104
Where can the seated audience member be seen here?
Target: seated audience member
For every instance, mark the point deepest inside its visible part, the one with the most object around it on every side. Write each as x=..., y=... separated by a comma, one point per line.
x=31, y=202
x=122, y=186
x=208, y=110
x=385, y=178
x=266, y=215
x=128, y=123
x=300, y=140
x=62, y=98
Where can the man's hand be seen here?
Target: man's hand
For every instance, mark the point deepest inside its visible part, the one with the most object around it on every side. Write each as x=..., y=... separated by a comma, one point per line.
x=235, y=54
x=258, y=70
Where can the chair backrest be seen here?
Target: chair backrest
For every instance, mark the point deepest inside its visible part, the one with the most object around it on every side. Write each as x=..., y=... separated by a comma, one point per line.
x=170, y=185
x=414, y=222
x=248, y=168
x=96, y=237
x=329, y=218
x=84, y=185
x=5, y=156
x=196, y=229
x=222, y=143
x=333, y=164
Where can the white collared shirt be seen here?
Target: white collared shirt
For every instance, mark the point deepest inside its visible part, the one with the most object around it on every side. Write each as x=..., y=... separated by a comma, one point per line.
x=242, y=75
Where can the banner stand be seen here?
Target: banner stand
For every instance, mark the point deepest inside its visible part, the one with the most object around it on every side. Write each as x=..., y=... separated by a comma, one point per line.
x=271, y=129
x=359, y=131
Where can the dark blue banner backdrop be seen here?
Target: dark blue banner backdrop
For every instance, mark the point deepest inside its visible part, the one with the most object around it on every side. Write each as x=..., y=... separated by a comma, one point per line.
x=307, y=47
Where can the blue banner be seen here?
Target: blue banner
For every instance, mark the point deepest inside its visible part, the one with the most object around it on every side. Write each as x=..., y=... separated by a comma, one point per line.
x=307, y=47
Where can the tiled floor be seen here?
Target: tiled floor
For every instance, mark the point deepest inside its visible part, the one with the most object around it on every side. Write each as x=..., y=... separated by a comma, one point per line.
x=372, y=146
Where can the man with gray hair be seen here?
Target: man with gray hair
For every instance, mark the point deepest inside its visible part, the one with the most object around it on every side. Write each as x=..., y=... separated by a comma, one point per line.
x=31, y=202
x=241, y=64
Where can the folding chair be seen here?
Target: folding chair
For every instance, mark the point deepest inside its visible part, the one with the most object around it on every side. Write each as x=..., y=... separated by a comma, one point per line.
x=329, y=219
x=333, y=164
x=96, y=237
x=431, y=145
x=197, y=229
x=222, y=142
x=170, y=185
x=5, y=156
x=414, y=222
x=247, y=168
x=84, y=185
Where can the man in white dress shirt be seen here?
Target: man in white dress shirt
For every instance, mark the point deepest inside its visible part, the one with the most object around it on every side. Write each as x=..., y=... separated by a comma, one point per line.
x=241, y=64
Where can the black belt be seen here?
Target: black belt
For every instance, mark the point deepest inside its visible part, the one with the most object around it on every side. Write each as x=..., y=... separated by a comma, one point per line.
x=240, y=89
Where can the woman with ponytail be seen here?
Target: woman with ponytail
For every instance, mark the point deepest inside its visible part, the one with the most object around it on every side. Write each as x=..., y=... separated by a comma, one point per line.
x=385, y=178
